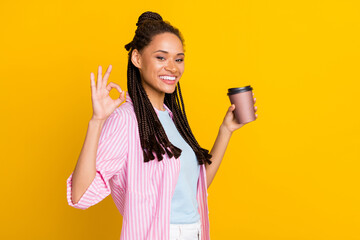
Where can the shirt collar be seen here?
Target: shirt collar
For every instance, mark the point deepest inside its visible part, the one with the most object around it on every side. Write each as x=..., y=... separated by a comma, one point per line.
x=128, y=99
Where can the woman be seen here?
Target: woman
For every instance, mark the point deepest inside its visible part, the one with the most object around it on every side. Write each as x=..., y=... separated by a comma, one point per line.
x=134, y=151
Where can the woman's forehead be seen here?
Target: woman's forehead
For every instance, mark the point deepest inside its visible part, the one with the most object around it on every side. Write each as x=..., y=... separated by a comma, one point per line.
x=167, y=42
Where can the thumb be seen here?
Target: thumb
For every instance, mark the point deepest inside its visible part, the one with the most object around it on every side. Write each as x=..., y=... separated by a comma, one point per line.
x=231, y=108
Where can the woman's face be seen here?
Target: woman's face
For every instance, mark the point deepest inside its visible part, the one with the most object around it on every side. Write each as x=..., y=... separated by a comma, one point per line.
x=161, y=64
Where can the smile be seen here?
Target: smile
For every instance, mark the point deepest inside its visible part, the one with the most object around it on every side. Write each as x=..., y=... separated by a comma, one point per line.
x=168, y=78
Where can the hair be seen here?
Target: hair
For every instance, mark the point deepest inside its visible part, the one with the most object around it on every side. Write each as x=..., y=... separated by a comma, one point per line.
x=152, y=135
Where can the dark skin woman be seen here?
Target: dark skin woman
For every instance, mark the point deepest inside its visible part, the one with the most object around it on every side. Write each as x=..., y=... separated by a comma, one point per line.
x=156, y=62
x=163, y=56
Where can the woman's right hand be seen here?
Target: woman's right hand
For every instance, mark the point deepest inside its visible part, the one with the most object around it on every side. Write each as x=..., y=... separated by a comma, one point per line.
x=103, y=105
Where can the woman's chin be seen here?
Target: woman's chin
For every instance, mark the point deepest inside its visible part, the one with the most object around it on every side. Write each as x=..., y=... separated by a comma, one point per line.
x=170, y=90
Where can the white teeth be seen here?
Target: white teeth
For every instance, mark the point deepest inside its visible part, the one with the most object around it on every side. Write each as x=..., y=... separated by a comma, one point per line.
x=167, y=78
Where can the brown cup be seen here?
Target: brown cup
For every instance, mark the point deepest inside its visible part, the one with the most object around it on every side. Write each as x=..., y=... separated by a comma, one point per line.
x=244, y=103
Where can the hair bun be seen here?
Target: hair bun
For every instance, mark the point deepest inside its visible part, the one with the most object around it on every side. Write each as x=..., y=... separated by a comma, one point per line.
x=148, y=16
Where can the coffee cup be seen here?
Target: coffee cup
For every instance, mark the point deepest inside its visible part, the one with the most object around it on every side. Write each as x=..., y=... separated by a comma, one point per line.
x=244, y=103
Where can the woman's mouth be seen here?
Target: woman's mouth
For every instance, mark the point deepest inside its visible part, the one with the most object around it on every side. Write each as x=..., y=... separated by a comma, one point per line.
x=168, y=79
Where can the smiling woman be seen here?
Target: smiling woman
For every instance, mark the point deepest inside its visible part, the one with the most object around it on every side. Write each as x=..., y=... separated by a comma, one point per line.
x=144, y=152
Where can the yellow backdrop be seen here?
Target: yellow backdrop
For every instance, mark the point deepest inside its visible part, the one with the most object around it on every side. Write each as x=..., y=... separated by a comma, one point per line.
x=291, y=174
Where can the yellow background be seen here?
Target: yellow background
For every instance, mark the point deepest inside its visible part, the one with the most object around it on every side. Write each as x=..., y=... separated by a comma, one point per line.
x=291, y=174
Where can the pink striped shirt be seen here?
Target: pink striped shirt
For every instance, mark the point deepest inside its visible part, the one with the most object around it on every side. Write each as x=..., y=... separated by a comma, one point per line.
x=142, y=192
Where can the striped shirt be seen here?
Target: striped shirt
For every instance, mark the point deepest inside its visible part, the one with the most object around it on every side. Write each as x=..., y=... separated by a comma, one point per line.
x=142, y=192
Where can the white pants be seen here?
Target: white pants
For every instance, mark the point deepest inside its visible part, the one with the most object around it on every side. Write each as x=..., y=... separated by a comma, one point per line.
x=190, y=231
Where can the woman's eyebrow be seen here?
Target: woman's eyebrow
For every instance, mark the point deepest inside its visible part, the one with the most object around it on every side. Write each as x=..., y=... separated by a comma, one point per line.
x=168, y=52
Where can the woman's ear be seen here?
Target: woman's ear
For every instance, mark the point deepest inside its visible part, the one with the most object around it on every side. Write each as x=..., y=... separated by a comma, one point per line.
x=136, y=58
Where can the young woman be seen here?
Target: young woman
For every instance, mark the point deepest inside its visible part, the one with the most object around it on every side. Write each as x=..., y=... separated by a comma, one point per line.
x=143, y=152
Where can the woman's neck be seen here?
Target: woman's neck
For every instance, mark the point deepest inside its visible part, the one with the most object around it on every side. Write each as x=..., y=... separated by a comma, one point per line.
x=156, y=99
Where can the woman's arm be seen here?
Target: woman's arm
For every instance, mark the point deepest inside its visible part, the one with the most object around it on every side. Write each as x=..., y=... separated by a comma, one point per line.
x=101, y=158
x=217, y=153
x=85, y=169
x=228, y=126
x=83, y=184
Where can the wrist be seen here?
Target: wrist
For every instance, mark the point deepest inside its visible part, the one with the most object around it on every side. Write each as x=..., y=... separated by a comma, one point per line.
x=97, y=122
x=223, y=129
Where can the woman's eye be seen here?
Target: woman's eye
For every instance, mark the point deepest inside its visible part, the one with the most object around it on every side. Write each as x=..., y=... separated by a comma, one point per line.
x=178, y=60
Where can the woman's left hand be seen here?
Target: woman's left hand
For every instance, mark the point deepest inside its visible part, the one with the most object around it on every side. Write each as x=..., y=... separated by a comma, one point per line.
x=230, y=123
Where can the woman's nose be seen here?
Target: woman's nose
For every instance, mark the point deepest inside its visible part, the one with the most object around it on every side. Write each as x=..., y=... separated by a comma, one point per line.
x=171, y=66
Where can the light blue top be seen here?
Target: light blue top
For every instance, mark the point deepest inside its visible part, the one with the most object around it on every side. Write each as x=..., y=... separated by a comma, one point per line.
x=184, y=206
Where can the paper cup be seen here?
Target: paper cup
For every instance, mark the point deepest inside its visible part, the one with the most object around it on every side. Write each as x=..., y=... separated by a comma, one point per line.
x=244, y=103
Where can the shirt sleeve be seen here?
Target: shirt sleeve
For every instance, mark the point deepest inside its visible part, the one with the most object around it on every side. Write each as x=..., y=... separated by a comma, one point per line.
x=110, y=159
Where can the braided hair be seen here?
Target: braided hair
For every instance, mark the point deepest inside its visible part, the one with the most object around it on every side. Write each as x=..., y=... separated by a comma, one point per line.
x=152, y=135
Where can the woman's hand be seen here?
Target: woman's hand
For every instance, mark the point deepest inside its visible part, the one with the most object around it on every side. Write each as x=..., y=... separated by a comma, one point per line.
x=230, y=123
x=103, y=105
